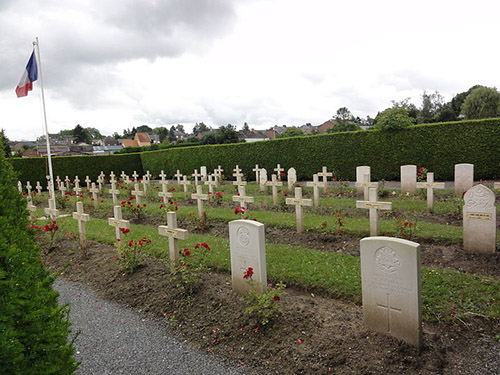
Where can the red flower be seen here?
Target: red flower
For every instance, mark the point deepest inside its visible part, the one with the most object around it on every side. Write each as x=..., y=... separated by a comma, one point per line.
x=411, y=224
x=140, y=242
x=218, y=194
x=276, y=298
x=124, y=230
x=131, y=243
x=186, y=252
x=205, y=245
x=248, y=273
x=144, y=205
x=197, y=246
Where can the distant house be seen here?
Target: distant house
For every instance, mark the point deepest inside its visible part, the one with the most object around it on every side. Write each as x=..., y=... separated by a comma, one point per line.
x=327, y=125
x=251, y=136
x=140, y=140
x=30, y=153
x=309, y=129
x=110, y=141
x=275, y=131
x=110, y=149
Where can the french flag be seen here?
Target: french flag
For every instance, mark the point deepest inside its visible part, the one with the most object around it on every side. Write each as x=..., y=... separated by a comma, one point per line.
x=30, y=75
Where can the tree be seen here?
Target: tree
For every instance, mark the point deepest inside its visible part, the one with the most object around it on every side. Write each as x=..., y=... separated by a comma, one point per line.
x=410, y=108
x=458, y=100
x=292, y=131
x=171, y=135
x=344, y=121
x=81, y=135
x=482, y=102
x=208, y=139
x=432, y=105
x=245, y=128
x=5, y=142
x=161, y=132
x=94, y=133
x=180, y=128
x=200, y=128
x=226, y=134
x=394, y=118
x=144, y=129
x=116, y=135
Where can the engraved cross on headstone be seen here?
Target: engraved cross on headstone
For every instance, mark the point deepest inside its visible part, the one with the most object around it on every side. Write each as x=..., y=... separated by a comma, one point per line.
x=387, y=306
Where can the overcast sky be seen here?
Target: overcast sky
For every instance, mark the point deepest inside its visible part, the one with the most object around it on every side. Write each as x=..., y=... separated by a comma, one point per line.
x=117, y=64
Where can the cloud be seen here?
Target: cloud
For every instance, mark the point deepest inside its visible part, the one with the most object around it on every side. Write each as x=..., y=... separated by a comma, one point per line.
x=78, y=35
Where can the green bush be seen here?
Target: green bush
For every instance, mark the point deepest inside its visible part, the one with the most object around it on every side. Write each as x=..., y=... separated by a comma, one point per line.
x=33, y=328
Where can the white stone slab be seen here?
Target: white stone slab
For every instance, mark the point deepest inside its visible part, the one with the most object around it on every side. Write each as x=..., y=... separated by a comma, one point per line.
x=391, y=286
x=360, y=177
x=248, y=249
x=408, y=179
x=479, y=220
x=464, y=178
x=291, y=178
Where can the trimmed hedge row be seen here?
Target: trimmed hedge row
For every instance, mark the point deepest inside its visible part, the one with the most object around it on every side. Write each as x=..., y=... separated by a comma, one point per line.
x=34, y=329
x=438, y=147
x=36, y=169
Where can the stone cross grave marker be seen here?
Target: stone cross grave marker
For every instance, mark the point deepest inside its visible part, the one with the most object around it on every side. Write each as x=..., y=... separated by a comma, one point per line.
x=315, y=184
x=257, y=171
x=114, y=191
x=200, y=197
x=38, y=188
x=298, y=202
x=274, y=183
x=278, y=171
x=164, y=193
x=77, y=189
x=94, y=190
x=218, y=172
x=464, y=178
x=135, y=175
x=52, y=211
x=430, y=185
x=82, y=217
x=163, y=176
x=211, y=182
x=28, y=188
x=147, y=177
x=112, y=177
x=408, y=179
x=137, y=193
x=360, y=178
x=174, y=234
x=237, y=172
x=366, y=185
x=100, y=180
x=479, y=220
x=32, y=209
x=262, y=179
x=178, y=175
x=88, y=181
x=185, y=183
x=204, y=173
x=291, y=178
x=390, y=279
x=123, y=176
x=195, y=175
x=242, y=198
x=50, y=187
x=62, y=189
x=324, y=174
x=144, y=186
x=67, y=181
x=373, y=205
x=248, y=250
x=118, y=222
x=58, y=181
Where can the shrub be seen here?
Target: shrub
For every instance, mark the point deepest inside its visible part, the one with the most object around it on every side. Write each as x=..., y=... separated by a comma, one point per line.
x=34, y=328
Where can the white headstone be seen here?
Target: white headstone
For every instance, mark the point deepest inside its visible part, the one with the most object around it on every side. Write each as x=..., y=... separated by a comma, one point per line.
x=408, y=179
x=390, y=276
x=291, y=178
x=203, y=172
x=262, y=179
x=480, y=220
x=464, y=178
x=248, y=250
x=360, y=177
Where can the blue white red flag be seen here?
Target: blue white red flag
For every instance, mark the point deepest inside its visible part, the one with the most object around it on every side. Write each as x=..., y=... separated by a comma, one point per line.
x=30, y=75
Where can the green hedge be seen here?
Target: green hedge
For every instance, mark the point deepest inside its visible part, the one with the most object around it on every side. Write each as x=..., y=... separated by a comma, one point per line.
x=36, y=169
x=34, y=329
x=438, y=147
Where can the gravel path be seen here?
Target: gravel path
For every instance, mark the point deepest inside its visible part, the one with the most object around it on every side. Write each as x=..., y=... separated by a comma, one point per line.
x=115, y=340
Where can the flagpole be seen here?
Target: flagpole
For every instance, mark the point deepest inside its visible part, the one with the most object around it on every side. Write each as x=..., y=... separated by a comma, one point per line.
x=51, y=182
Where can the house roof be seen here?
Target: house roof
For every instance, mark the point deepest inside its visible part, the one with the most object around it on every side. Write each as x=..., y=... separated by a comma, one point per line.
x=130, y=143
x=142, y=137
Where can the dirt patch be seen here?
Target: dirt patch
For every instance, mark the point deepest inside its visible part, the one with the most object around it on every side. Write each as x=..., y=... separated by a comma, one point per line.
x=331, y=334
